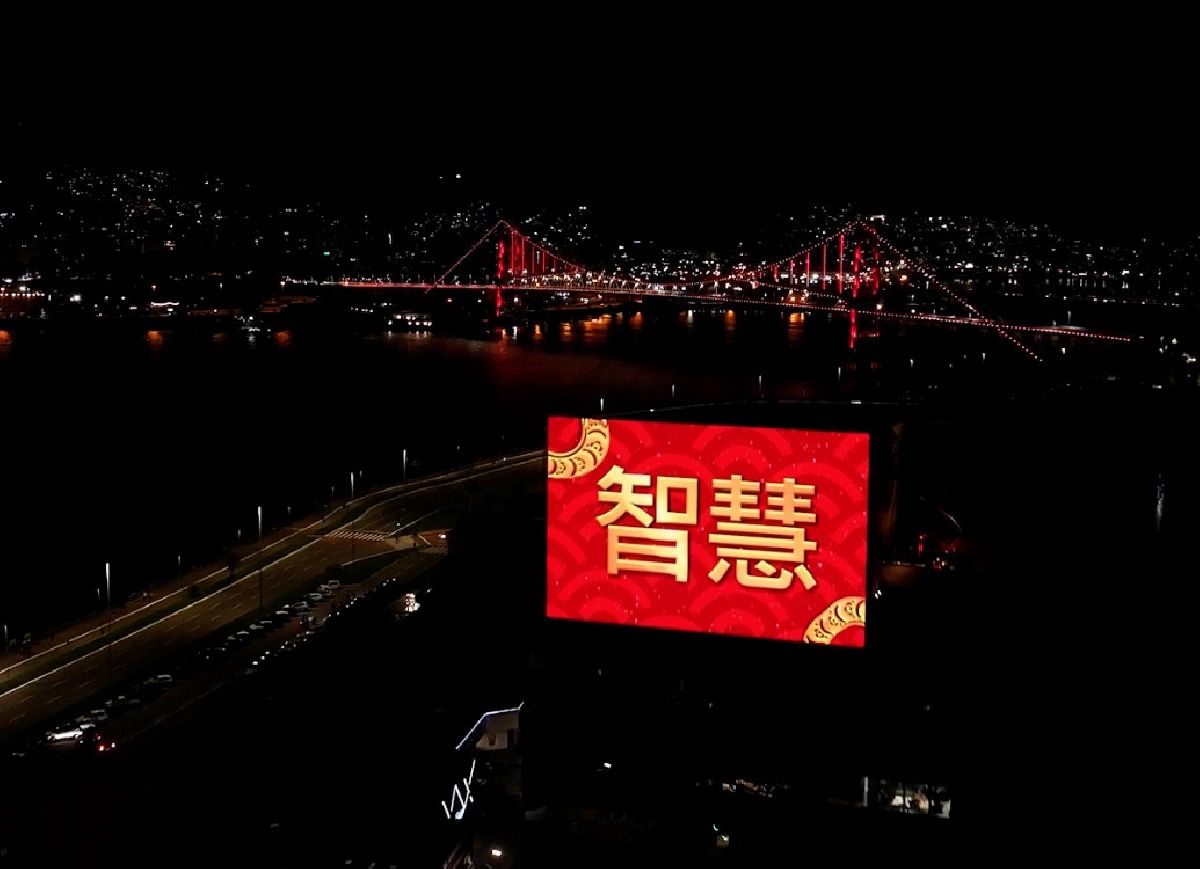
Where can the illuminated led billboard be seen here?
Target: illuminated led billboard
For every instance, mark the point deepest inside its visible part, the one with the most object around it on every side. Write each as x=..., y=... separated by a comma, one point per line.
x=756, y=532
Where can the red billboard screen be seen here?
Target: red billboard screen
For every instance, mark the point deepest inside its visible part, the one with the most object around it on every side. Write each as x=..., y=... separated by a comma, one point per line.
x=757, y=532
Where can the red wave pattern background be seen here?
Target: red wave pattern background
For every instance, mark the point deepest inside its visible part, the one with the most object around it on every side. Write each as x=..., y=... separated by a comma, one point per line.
x=579, y=587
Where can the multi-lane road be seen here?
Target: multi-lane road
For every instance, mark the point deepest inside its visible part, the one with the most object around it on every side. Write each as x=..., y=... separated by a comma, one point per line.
x=382, y=522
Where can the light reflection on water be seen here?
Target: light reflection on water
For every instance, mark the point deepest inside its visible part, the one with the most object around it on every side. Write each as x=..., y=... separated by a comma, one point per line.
x=211, y=424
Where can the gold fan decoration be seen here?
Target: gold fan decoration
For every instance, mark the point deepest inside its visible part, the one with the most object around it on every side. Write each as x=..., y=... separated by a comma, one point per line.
x=586, y=455
x=843, y=613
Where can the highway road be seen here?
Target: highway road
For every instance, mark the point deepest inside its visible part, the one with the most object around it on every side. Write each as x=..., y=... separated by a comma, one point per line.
x=402, y=510
x=214, y=675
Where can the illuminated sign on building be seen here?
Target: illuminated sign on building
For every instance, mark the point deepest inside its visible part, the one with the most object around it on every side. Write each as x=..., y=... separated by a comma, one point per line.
x=707, y=528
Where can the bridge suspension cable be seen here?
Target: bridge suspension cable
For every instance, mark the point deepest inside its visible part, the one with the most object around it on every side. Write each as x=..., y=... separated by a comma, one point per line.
x=536, y=266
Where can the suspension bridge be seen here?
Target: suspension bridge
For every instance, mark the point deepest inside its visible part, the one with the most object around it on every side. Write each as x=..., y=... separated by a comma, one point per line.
x=855, y=270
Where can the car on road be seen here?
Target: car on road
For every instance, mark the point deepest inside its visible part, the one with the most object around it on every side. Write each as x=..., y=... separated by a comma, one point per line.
x=316, y=597
x=65, y=733
x=243, y=636
x=282, y=615
x=158, y=683
x=256, y=628
x=215, y=652
x=124, y=701
x=97, y=741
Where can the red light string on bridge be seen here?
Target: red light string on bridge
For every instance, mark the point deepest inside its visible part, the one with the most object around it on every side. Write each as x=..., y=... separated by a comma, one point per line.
x=835, y=306
x=841, y=259
x=470, y=251
x=574, y=267
x=925, y=270
x=855, y=269
x=546, y=252
x=743, y=274
x=826, y=239
x=630, y=285
x=838, y=305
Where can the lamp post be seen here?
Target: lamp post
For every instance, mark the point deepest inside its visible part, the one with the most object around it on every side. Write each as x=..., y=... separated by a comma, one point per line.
x=108, y=624
x=260, y=523
x=404, y=465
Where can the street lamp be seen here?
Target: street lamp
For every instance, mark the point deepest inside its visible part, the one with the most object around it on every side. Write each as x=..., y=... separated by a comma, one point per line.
x=352, y=485
x=404, y=456
x=260, y=523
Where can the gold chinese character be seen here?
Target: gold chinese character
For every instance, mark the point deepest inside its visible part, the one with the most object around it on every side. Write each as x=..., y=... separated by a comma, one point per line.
x=665, y=550
x=745, y=542
x=626, y=500
x=662, y=505
x=787, y=496
x=739, y=496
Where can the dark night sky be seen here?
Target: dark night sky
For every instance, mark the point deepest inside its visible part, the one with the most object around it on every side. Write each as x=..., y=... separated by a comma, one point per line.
x=674, y=142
